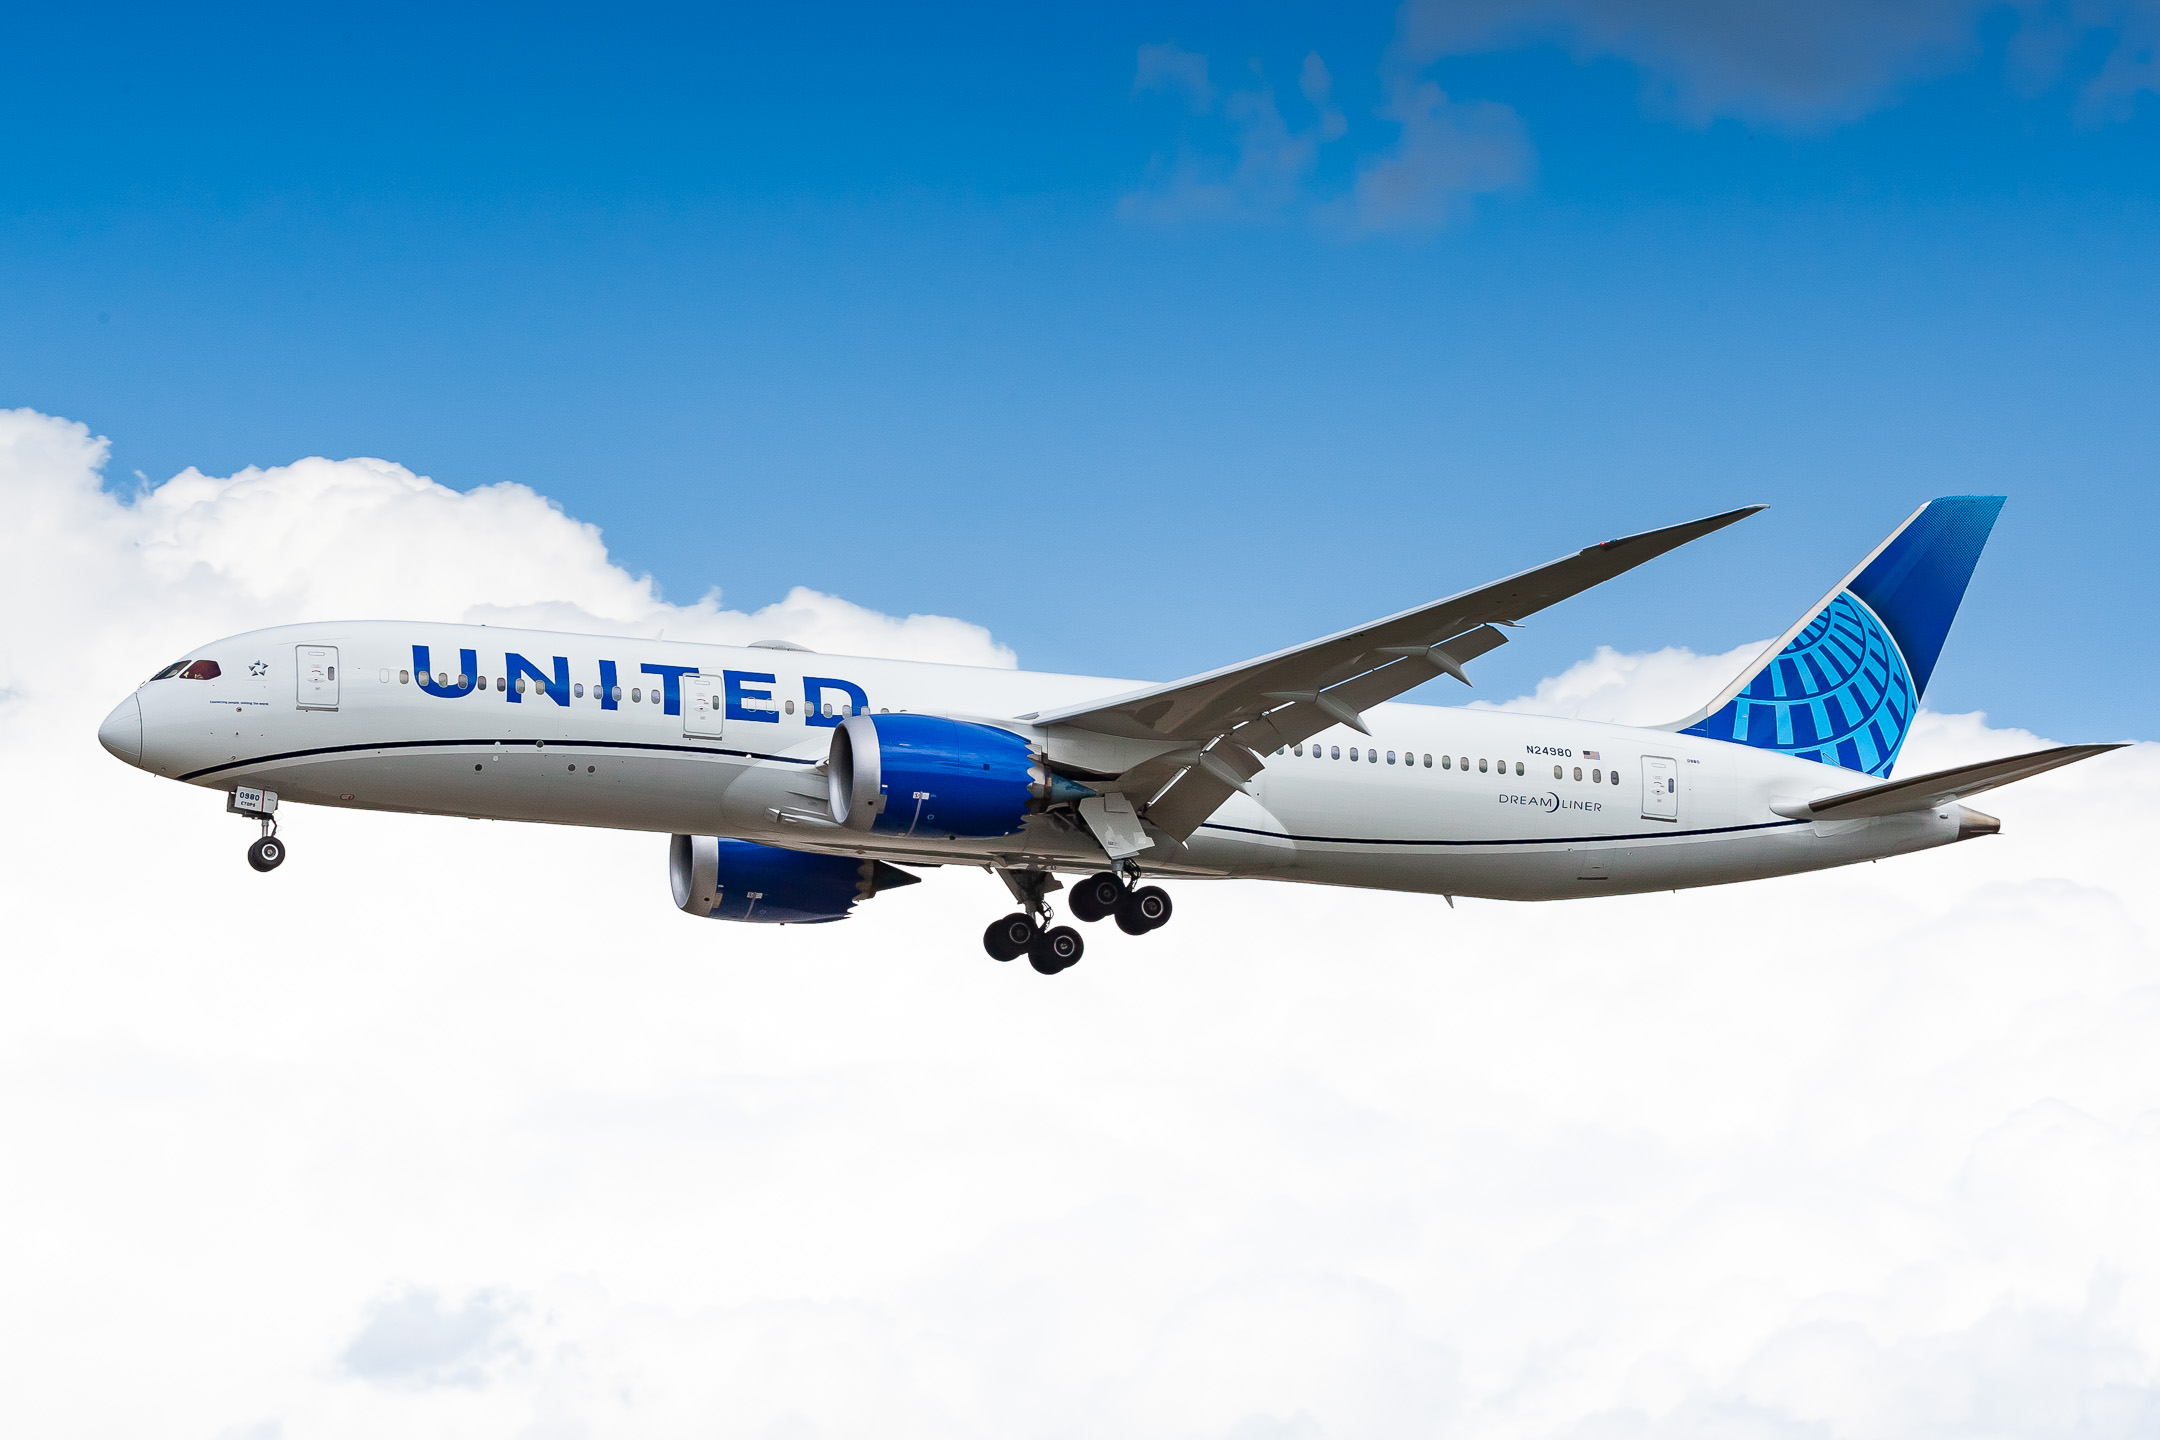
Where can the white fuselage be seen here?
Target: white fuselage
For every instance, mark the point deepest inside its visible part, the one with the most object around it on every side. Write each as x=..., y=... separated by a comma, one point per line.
x=1524, y=807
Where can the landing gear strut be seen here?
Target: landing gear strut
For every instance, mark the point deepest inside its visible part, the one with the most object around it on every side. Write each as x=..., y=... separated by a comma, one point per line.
x=267, y=853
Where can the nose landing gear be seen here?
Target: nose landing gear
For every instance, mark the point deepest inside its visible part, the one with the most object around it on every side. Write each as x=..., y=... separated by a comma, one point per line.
x=267, y=853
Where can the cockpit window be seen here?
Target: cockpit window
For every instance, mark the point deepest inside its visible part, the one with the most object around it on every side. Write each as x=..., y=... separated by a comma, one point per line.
x=189, y=670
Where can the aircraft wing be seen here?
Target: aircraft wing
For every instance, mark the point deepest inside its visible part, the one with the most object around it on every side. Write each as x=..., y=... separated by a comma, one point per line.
x=1925, y=792
x=1231, y=717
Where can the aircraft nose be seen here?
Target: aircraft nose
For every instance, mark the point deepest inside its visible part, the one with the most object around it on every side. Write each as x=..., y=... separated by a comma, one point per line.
x=122, y=731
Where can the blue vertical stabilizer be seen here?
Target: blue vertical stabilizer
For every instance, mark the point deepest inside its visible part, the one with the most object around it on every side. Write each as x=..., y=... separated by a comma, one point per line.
x=1842, y=686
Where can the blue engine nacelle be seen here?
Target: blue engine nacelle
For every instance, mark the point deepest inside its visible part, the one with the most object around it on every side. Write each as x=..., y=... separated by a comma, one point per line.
x=739, y=880
x=926, y=775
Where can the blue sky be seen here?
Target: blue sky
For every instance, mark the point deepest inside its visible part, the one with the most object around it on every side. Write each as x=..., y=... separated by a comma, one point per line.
x=1142, y=336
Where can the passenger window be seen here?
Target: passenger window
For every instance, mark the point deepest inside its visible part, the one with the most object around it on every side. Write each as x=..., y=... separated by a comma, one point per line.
x=521, y=684
x=1597, y=777
x=1353, y=752
x=384, y=678
x=1447, y=762
x=578, y=690
x=404, y=677
x=1334, y=752
x=1578, y=772
x=464, y=681
x=790, y=707
x=1481, y=767
x=1391, y=757
x=201, y=670
x=1299, y=748
x=442, y=679
x=637, y=695
x=1518, y=767
x=616, y=694
x=1616, y=777
x=1556, y=773
x=1428, y=762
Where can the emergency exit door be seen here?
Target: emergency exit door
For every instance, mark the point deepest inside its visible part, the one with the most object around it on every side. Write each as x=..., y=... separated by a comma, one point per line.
x=1660, y=788
x=316, y=677
x=703, y=712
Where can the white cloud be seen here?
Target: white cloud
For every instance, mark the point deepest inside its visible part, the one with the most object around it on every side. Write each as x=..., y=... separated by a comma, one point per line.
x=1806, y=62
x=1647, y=688
x=201, y=556
x=414, y=1337
x=1871, y=1153
x=1249, y=165
x=1448, y=153
x=1169, y=67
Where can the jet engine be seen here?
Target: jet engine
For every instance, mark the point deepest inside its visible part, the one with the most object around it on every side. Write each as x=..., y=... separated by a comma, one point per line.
x=926, y=775
x=740, y=880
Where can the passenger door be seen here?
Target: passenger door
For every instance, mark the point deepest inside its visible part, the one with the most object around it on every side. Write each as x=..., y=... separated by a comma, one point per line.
x=703, y=710
x=1660, y=788
x=316, y=677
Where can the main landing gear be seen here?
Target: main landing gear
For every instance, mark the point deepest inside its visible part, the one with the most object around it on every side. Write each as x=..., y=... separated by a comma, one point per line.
x=1051, y=949
x=1138, y=909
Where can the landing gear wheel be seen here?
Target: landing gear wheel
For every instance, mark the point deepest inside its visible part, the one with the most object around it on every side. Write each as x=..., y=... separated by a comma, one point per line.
x=1097, y=897
x=1147, y=908
x=267, y=854
x=1056, y=949
x=1009, y=938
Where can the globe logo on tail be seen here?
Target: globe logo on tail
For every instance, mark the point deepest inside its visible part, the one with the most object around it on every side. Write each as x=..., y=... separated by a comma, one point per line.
x=1839, y=693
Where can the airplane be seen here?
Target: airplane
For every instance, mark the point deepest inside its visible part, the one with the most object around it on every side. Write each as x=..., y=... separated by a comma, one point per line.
x=795, y=785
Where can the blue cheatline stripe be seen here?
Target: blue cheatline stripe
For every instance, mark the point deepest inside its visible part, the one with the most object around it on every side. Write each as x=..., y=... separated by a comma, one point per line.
x=491, y=744
x=1554, y=840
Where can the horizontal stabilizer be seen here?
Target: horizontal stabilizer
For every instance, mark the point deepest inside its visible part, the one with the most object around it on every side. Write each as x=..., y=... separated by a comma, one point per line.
x=1924, y=792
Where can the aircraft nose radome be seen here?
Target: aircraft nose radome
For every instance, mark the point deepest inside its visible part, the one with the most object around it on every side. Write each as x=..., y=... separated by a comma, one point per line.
x=122, y=731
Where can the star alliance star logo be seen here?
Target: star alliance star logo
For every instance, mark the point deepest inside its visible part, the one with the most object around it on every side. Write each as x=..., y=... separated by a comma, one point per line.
x=258, y=669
